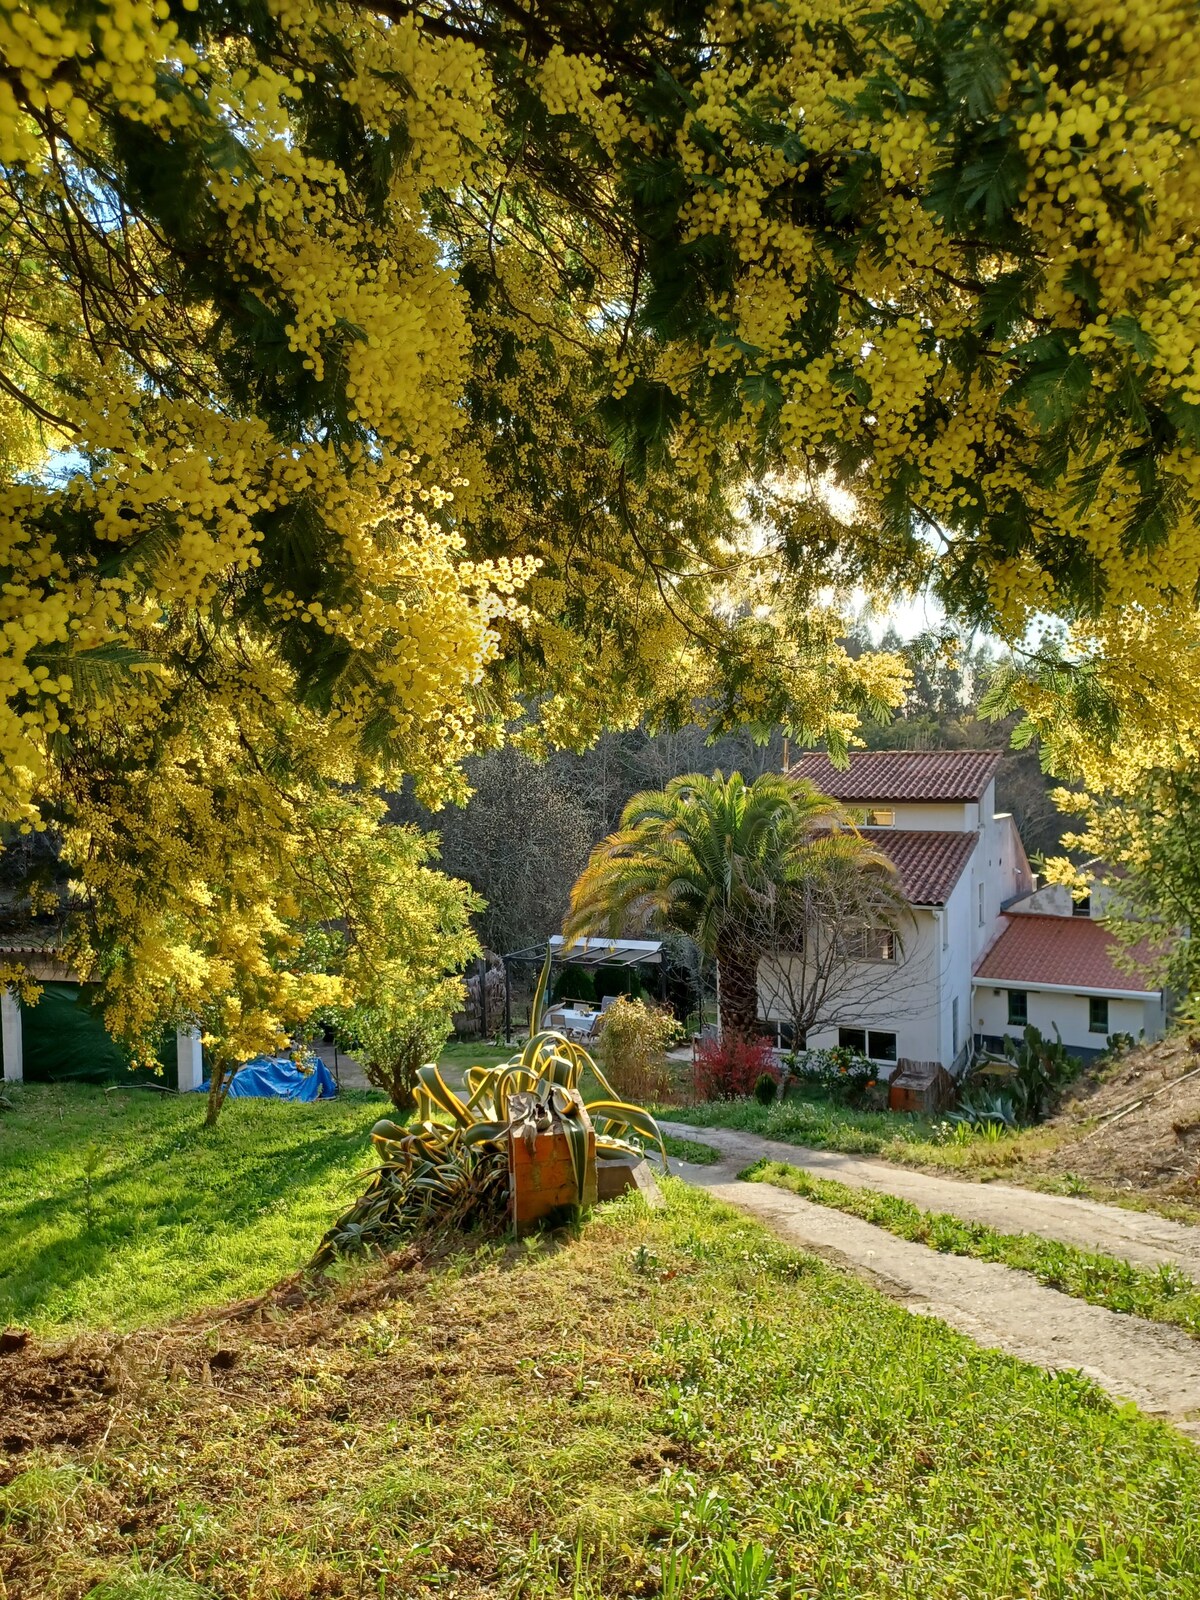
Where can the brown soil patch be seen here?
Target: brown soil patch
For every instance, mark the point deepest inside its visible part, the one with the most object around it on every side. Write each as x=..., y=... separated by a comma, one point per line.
x=73, y=1394
x=268, y=1403
x=1136, y=1127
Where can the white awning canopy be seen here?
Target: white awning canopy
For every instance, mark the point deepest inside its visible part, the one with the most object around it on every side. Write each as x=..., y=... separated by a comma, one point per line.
x=597, y=952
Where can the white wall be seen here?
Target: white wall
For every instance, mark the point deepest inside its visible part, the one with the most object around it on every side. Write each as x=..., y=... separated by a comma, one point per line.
x=11, y=1040
x=1055, y=900
x=931, y=816
x=900, y=997
x=1002, y=867
x=915, y=997
x=1049, y=1008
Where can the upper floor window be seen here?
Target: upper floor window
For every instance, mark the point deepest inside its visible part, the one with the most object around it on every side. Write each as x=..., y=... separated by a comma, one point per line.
x=1082, y=908
x=1098, y=1014
x=869, y=944
x=881, y=818
x=981, y=905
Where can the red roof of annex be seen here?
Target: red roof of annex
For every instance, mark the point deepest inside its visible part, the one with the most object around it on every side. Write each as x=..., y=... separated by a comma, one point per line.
x=928, y=861
x=913, y=775
x=1068, y=952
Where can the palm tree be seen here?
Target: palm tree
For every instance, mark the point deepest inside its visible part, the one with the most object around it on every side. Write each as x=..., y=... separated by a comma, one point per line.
x=710, y=858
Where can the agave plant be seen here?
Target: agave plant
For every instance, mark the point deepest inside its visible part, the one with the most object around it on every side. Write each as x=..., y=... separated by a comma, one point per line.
x=450, y=1164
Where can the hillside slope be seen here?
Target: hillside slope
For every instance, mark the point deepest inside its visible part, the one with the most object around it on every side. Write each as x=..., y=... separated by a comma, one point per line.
x=1135, y=1125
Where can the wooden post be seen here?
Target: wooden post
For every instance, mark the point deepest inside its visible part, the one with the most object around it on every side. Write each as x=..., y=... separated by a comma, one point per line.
x=11, y=1037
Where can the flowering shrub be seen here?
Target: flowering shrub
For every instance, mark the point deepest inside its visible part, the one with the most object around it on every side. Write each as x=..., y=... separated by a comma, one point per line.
x=843, y=1074
x=729, y=1069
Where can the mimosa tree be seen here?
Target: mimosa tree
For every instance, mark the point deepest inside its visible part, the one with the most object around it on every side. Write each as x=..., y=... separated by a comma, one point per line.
x=379, y=377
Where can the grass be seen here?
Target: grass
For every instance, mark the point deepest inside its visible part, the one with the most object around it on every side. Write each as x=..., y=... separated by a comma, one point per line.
x=929, y=1143
x=700, y=1155
x=121, y=1208
x=1161, y=1294
x=673, y=1404
x=464, y=1053
x=917, y=1141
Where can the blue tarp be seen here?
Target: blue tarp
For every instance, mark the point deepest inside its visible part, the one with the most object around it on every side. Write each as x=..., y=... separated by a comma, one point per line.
x=279, y=1078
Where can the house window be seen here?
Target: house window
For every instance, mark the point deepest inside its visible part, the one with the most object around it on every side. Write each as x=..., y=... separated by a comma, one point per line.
x=875, y=1045
x=1018, y=1008
x=881, y=818
x=946, y=929
x=780, y=1034
x=981, y=905
x=1098, y=1014
x=954, y=1026
x=870, y=944
x=1082, y=908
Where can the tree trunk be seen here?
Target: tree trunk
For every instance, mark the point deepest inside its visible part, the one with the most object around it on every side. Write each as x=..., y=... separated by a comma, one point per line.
x=218, y=1088
x=737, y=977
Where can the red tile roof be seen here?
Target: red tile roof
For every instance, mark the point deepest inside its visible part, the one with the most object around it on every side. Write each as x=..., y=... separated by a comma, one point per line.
x=929, y=863
x=1070, y=952
x=902, y=774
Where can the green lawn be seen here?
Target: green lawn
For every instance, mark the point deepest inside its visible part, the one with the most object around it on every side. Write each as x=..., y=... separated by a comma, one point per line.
x=461, y=1054
x=672, y=1404
x=121, y=1208
x=916, y=1141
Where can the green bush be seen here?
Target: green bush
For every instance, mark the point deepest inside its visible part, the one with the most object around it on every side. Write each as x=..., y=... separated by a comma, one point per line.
x=632, y=1049
x=765, y=1089
x=842, y=1074
x=576, y=983
x=1020, y=1086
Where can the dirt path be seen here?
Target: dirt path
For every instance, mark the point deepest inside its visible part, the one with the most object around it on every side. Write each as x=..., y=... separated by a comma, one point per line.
x=1156, y=1367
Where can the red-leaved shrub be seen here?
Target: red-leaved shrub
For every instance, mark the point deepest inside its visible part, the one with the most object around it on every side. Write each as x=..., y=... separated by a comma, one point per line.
x=728, y=1069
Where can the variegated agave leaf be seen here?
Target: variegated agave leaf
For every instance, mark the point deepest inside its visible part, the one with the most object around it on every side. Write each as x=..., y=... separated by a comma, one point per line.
x=435, y=1094
x=617, y=1118
x=455, y=1172
x=539, y=998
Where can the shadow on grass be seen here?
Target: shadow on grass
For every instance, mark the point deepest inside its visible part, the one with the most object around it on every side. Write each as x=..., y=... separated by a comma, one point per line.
x=163, y=1189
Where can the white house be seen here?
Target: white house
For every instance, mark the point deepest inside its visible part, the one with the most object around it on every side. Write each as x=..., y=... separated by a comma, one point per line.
x=973, y=934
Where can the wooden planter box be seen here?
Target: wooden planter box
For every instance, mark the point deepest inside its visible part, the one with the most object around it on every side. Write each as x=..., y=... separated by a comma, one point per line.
x=542, y=1179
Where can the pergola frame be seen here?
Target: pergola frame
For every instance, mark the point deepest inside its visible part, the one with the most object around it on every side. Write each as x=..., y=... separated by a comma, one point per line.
x=589, y=952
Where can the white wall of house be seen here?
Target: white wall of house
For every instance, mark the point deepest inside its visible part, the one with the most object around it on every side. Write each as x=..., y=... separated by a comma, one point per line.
x=901, y=997
x=928, y=816
x=960, y=934
x=926, y=997
x=1050, y=1008
x=1055, y=900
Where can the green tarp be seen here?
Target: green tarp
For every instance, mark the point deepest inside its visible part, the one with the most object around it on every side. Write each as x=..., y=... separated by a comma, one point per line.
x=65, y=1041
